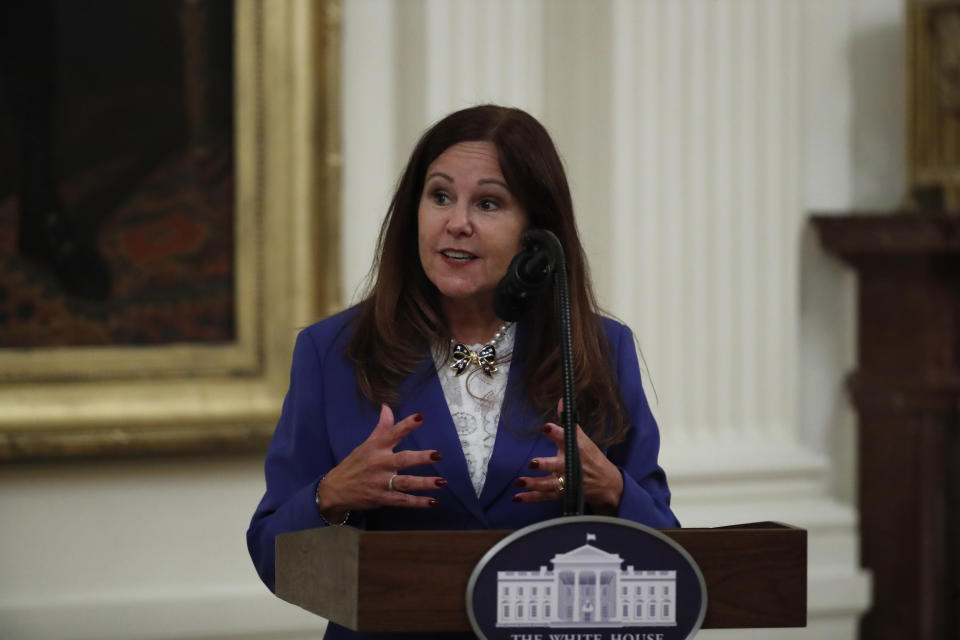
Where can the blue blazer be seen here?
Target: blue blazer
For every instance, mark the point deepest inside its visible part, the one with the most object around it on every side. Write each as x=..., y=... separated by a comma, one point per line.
x=325, y=417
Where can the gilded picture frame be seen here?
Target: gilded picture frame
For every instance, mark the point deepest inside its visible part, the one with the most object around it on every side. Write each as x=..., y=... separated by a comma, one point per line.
x=82, y=401
x=933, y=104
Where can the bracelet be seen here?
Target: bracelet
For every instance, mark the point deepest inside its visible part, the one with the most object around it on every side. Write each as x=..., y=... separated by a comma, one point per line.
x=316, y=498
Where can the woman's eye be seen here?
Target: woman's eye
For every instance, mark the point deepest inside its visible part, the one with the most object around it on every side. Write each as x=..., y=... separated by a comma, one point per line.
x=488, y=205
x=441, y=197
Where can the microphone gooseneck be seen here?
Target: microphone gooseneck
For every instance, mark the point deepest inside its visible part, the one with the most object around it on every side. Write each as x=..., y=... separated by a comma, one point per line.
x=539, y=264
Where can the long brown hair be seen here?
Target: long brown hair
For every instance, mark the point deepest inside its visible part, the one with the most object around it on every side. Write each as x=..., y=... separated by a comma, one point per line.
x=401, y=314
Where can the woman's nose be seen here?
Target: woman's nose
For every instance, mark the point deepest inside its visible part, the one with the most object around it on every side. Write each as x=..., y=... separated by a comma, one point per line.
x=459, y=222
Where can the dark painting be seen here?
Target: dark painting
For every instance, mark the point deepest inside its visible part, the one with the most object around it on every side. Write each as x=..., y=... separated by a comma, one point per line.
x=116, y=172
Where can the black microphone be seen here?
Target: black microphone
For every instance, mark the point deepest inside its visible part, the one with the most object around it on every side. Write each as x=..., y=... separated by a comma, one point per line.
x=529, y=273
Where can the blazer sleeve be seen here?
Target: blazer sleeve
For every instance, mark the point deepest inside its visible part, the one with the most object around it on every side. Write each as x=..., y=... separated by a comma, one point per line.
x=646, y=497
x=298, y=457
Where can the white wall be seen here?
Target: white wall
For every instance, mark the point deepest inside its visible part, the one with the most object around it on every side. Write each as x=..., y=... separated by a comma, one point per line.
x=653, y=105
x=854, y=160
x=135, y=549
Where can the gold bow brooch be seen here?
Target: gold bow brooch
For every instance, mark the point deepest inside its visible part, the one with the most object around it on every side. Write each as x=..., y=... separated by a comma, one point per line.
x=484, y=359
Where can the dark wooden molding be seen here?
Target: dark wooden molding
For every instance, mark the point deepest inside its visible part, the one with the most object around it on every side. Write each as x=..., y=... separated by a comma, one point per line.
x=906, y=390
x=850, y=236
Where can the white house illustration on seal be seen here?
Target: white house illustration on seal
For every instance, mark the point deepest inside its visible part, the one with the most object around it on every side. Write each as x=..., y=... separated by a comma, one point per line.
x=586, y=588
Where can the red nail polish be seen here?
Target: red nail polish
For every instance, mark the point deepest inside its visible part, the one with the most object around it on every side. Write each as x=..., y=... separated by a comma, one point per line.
x=418, y=417
x=516, y=498
x=441, y=482
x=534, y=464
x=433, y=502
x=436, y=455
x=520, y=482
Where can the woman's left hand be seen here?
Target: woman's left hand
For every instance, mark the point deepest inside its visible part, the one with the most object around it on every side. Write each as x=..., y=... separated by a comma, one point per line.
x=602, y=482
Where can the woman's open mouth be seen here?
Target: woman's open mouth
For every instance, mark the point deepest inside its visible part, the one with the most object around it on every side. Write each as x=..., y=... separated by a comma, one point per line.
x=457, y=256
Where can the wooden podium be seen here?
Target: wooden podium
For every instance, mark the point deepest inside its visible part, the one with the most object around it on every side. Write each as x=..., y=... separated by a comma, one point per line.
x=756, y=575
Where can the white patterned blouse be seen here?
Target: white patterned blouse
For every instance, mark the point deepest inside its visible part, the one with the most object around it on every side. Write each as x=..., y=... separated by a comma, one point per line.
x=475, y=401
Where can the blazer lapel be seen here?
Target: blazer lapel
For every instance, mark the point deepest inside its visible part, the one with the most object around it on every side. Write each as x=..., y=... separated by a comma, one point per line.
x=518, y=435
x=421, y=391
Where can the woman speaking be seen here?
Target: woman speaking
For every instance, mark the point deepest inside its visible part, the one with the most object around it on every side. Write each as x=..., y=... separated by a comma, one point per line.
x=419, y=408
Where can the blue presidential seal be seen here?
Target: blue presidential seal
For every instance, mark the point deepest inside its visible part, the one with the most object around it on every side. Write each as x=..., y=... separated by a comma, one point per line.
x=586, y=578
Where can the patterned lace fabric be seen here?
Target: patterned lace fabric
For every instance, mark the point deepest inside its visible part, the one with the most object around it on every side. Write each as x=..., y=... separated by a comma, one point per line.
x=474, y=401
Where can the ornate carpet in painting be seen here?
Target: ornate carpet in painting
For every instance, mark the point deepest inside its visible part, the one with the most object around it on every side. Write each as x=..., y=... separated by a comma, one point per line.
x=167, y=243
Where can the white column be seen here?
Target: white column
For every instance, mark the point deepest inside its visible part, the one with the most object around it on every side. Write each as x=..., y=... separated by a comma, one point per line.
x=482, y=52
x=705, y=209
x=596, y=595
x=369, y=131
x=705, y=235
x=555, y=596
x=615, y=583
x=576, y=594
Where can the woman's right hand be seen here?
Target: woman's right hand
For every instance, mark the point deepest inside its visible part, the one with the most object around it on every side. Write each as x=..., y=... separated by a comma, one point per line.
x=362, y=480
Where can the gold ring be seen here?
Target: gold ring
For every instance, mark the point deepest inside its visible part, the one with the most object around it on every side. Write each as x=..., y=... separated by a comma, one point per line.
x=561, y=485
